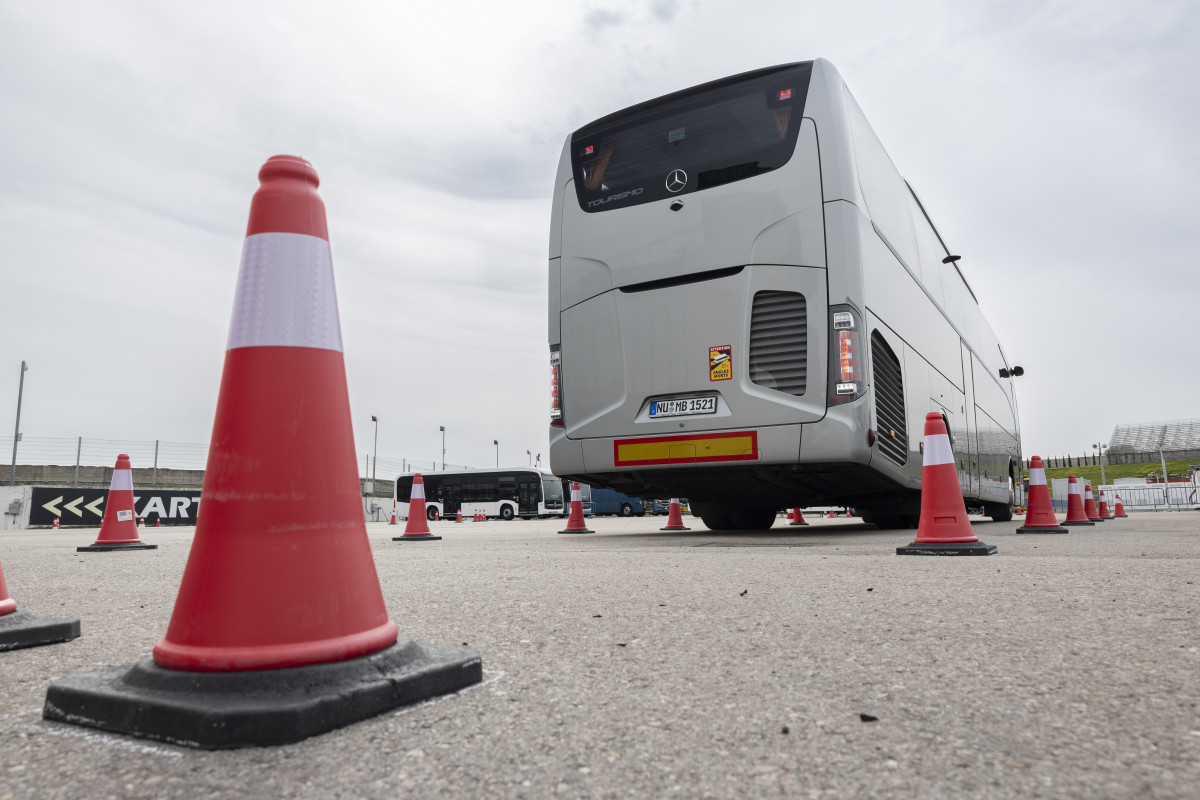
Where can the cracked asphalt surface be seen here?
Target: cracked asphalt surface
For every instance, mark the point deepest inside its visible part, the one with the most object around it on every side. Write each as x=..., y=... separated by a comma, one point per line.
x=803, y=662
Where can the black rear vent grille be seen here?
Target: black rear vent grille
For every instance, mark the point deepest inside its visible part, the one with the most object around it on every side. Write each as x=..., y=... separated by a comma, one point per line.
x=889, y=401
x=779, y=342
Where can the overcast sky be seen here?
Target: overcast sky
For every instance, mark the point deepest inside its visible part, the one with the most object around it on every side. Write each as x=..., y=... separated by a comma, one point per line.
x=1054, y=144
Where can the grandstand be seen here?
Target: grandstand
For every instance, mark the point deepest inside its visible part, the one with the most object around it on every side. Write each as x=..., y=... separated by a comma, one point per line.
x=1139, y=443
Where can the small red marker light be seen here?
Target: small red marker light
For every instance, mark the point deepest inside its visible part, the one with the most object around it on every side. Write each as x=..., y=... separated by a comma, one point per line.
x=785, y=94
x=587, y=151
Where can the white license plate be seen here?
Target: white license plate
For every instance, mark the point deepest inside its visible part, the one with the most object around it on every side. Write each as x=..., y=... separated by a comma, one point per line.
x=683, y=407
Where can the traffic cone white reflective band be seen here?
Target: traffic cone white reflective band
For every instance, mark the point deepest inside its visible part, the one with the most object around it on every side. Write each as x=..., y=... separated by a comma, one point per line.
x=938, y=450
x=1073, y=488
x=675, y=500
x=577, y=493
x=122, y=480
x=285, y=294
x=1037, y=477
x=418, y=491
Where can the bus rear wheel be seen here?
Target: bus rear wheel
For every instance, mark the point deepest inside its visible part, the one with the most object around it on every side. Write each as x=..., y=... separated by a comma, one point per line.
x=999, y=512
x=431, y=513
x=506, y=513
x=626, y=510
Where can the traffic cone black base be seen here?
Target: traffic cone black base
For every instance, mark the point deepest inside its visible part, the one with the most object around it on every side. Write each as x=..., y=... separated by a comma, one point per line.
x=1042, y=529
x=423, y=537
x=22, y=629
x=1069, y=522
x=104, y=548
x=675, y=528
x=222, y=710
x=580, y=530
x=947, y=549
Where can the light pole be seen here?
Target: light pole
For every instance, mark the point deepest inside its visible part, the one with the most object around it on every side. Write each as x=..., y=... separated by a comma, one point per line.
x=1101, y=447
x=442, y=428
x=375, y=457
x=12, y=475
x=530, y=457
x=497, y=443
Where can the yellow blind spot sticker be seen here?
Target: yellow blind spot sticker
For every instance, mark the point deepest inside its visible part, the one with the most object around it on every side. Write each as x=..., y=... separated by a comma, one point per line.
x=720, y=362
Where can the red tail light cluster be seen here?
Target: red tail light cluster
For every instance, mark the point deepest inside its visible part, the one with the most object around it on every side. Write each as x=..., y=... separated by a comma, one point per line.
x=845, y=357
x=556, y=415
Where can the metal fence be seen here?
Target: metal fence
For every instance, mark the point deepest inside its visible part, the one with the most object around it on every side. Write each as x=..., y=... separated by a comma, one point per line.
x=81, y=452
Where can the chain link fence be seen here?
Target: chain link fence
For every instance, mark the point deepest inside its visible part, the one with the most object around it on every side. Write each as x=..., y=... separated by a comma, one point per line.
x=83, y=461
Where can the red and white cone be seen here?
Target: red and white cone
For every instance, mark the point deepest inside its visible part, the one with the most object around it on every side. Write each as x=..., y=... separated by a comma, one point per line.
x=575, y=523
x=1076, y=515
x=1118, y=509
x=7, y=604
x=157, y=521
x=797, y=518
x=21, y=629
x=458, y=517
x=417, y=527
x=55, y=524
x=118, y=529
x=1039, y=517
x=275, y=595
x=393, y=519
x=944, y=529
x=1089, y=505
x=1102, y=508
x=674, y=517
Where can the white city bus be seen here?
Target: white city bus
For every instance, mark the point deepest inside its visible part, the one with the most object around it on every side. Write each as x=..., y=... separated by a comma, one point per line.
x=750, y=307
x=504, y=493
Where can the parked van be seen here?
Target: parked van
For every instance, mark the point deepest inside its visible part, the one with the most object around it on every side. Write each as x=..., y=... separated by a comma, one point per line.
x=609, y=501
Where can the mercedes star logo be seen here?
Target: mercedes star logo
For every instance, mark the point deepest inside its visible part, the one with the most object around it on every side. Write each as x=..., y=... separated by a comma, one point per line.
x=676, y=180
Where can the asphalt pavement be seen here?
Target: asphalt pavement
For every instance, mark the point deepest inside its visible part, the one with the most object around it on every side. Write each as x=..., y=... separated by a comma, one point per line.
x=803, y=662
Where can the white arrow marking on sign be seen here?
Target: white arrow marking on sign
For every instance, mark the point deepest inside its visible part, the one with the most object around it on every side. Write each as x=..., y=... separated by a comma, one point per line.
x=92, y=506
x=71, y=507
x=52, y=506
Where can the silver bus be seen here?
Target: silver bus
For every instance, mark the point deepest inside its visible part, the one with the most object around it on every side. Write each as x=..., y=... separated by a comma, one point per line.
x=750, y=307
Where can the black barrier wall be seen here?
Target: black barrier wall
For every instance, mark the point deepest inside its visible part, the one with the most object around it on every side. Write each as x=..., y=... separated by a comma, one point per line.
x=84, y=508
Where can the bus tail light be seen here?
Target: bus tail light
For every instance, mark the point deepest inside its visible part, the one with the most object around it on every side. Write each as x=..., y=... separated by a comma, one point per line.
x=556, y=407
x=845, y=355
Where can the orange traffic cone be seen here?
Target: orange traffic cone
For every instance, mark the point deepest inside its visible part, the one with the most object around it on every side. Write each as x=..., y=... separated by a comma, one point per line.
x=1119, y=510
x=944, y=529
x=417, y=527
x=393, y=519
x=157, y=521
x=118, y=529
x=458, y=518
x=674, y=517
x=1102, y=508
x=55, y=524
x=789, y=515
x=1039, y=518
x=1075, y=511
x=21, y=629
x=1089, y=505
x=797, y=518
x=279, y=631
x=575, y=522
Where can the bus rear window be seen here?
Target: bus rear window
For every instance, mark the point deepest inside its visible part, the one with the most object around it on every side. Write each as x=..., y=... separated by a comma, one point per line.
x=692, y=140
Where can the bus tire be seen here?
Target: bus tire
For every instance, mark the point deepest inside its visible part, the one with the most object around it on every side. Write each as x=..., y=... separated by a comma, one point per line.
x=715, y=517
x=626, y=510
x=431, y=513
x=750, y=518
x=506, y=513
x=999, y=512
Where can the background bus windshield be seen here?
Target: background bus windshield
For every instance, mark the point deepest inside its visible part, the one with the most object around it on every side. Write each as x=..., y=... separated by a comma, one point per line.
x=713, y=136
